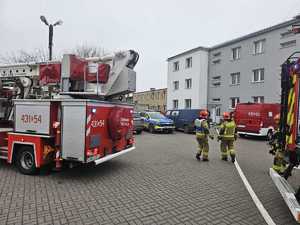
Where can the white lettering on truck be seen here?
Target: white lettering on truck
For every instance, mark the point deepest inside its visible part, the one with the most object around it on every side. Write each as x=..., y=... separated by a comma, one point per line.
x=97, y=123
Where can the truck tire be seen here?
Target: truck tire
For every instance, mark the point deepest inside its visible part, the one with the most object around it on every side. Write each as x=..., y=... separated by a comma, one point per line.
x=139, y=131
x=25, y=161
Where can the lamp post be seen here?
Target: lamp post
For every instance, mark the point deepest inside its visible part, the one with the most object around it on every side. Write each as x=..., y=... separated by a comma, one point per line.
x=59, y=22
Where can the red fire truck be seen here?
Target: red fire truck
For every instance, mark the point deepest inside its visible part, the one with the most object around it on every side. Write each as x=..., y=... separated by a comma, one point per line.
x=256, y=119
x=66, y=112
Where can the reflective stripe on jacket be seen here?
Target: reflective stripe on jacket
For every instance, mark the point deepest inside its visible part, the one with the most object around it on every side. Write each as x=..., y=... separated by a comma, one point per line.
x=228, y=129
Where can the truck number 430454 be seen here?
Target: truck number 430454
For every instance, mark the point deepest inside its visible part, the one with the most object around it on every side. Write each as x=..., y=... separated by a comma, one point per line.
x=26, y=118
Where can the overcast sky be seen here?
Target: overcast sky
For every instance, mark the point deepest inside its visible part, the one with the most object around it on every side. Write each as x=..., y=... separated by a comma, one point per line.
x=157, y=29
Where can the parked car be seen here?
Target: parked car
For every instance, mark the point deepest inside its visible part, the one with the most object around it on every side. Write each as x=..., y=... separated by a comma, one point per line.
x=256, y=119
x=156, y=121
x=138, y=123
x=184, y=119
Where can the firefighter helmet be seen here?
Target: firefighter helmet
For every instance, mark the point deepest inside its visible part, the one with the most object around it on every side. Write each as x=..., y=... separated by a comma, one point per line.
x=203, y=114
x=226, y=115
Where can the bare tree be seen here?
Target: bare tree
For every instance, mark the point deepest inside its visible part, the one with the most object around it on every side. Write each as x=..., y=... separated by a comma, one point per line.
x=41, y=55
x=86, y=51
x=21, y=56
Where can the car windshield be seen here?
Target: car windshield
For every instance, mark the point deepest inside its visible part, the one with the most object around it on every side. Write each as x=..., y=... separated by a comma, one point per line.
x=156, y=115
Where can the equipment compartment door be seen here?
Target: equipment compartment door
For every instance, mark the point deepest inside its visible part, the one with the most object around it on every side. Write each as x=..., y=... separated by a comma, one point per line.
x=73, y=132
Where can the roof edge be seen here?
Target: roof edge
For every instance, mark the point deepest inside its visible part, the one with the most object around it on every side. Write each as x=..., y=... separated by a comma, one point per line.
x=188, y=52
x=244, y=37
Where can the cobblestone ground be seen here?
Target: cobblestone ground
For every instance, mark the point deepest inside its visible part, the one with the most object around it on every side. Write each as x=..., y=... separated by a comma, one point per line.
x=158, y=183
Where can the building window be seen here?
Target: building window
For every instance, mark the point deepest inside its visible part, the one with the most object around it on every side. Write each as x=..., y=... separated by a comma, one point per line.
x=258, y=75
x=217, y=61
x=234, y=101
x=216, y=100
x=188, y=83
x=258, y=99
x=288, y=44
x=187, y=103
x=235, y=78
x=216, y=81
x=176, y=66
x=216, y=54
x=236, y=53
x=218, y=111
x=188, y=62
x=176, y=85
x=259, y=47
x=175, y=104
x=157, y=95
x=286, y=34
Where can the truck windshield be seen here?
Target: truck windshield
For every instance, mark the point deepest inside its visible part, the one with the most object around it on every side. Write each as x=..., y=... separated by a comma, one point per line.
x=156, y=115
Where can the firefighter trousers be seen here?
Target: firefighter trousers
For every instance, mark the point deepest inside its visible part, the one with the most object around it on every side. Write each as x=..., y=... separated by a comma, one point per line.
x=279, y=163
x=227, y=147
x=203, y=147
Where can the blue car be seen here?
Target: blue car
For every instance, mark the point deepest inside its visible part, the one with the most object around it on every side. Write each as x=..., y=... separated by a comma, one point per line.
x=184, y=118
x=155, y=121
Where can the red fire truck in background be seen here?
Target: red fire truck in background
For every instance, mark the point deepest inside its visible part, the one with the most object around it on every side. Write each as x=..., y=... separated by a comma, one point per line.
x=66, y=112
x=256, y=119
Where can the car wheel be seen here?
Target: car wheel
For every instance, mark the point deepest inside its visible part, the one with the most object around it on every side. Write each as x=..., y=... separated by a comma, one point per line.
x=26, y=161
x=151, y=129
x=186, y=129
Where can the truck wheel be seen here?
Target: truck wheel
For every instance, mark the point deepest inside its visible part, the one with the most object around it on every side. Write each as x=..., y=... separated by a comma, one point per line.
x=25, y=161
x=186, y=129
x=242, y=135
x=151, y=129
x=139, y=131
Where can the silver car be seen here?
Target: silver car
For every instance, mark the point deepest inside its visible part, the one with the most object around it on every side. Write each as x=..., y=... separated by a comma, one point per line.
x=138, y=123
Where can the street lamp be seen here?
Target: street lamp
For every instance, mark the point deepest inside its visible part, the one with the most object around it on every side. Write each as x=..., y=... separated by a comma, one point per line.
x=59, y=22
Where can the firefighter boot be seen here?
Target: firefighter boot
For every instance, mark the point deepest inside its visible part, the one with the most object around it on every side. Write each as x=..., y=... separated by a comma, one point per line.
x=198, y=156
x=232, y=158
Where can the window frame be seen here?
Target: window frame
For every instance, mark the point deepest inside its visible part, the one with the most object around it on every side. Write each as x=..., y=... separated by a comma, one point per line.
x=260, y=99
x=260, y=74
x=176, y=66
x=176, y=87
x=187, y=82
x=238, y=50
x=189, y=62
x=186, y=101
x=177, y=103
x=237, y=79
x=236, y=101
x=261, y=49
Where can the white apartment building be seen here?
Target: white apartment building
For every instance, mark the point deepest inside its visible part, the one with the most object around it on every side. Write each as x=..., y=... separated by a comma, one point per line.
x=187, y=79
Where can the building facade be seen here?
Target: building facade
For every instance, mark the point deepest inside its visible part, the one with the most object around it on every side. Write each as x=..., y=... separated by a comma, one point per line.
x=154, y=99
x=246, y=69
x=187, y=79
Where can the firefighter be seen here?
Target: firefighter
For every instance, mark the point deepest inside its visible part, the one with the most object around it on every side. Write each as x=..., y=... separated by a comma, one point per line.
x=202, y=134
x=278, y=162
x=227, y=135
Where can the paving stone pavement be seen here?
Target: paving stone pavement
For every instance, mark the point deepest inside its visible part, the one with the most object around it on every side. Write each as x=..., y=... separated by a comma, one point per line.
x=158, y=183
